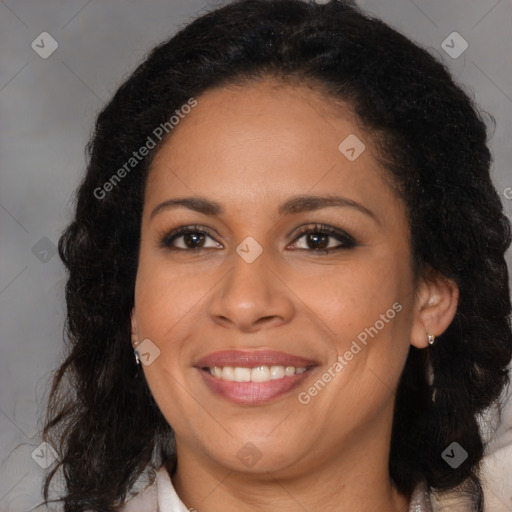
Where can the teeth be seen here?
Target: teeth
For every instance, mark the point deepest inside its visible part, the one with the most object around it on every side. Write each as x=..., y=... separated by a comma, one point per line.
x=276, y=372
x=242, y=375
x=289, y=371
x=228, y=373
x=260, y=374
x=257, y=374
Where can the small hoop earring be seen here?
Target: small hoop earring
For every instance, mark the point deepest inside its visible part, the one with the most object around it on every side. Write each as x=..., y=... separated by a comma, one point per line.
x=137, y=358
x=431, y=338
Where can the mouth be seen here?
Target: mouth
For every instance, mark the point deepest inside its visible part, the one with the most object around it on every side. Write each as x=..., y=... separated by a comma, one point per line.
x=252, y=378
x=257, y=374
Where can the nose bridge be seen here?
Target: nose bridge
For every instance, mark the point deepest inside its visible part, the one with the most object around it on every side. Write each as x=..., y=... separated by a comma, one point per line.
x=250, y=269
x=249, y=281
x=250, y=261
x=250, y=291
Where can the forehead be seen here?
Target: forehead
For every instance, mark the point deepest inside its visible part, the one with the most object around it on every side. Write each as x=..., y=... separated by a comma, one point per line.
x=265, y=139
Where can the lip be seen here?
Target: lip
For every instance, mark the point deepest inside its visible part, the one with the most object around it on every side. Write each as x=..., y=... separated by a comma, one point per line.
x=253, y=358
x=253, y=393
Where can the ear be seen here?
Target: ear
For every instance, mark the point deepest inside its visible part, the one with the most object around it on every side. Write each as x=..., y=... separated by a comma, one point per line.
x=436, y=304
x=134, y=334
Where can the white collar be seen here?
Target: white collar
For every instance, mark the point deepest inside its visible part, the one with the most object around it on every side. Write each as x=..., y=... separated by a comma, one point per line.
x=168, y=499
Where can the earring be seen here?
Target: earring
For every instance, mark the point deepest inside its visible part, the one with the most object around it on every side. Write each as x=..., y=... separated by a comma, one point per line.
x=431, y=338
x=137, y=358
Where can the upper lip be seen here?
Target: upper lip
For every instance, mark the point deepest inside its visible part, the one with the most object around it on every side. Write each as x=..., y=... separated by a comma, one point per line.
x=253, y=358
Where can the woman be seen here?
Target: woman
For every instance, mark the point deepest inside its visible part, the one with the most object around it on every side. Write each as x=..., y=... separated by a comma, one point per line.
x=287, y=286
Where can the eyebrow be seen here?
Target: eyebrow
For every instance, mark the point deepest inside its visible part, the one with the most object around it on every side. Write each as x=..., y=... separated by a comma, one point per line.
x=294, y=205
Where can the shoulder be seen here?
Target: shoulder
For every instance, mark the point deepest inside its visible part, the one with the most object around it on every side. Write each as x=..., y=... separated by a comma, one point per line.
x=145, y=500
x=464, y=498
x=154, y=495
x=420, y=499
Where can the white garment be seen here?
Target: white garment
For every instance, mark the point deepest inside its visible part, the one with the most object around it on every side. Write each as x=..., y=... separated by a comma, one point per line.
x=162, y=497
x=496, y=473
x=158, y=497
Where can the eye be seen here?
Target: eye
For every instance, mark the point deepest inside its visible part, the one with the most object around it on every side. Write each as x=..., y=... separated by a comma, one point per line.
x=192, y=237
x=319, y=238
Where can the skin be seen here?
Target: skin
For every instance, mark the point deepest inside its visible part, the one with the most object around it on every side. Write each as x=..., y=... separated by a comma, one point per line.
x=251, y=148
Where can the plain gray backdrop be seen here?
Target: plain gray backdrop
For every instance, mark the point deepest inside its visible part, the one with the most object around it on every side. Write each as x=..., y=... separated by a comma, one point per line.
x=48, y=106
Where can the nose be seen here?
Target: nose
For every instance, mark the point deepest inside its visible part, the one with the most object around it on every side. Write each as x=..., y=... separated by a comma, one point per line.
x=251, y=297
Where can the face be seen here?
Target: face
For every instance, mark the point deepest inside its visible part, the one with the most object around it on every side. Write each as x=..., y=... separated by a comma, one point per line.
x=274, y=285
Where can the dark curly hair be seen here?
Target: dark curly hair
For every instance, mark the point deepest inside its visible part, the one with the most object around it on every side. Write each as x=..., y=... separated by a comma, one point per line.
x=432, y=142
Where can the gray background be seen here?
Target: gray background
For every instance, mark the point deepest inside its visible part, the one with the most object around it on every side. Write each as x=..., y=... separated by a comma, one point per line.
x=48, y=107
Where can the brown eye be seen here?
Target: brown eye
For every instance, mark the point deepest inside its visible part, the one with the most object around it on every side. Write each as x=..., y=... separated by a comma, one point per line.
x=323, y=239
x=190, y=238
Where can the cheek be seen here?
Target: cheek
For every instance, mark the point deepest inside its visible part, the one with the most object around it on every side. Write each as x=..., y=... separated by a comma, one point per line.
x=346, y=300
x=165, y=295
x=165, y=315
x=364, y=309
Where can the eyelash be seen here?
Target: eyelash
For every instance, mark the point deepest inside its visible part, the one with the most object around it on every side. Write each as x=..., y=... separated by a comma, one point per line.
x=347, y=241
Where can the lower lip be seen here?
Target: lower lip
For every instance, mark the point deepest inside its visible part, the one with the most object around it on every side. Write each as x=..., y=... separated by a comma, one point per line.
x=253, y=393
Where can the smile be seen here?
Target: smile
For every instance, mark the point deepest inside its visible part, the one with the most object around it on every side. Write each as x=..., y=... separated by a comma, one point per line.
x=256, y=374
x=253, y=377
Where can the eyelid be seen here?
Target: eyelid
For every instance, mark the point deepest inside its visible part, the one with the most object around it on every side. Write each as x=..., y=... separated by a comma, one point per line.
x=346, y=241
x=166, y=238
